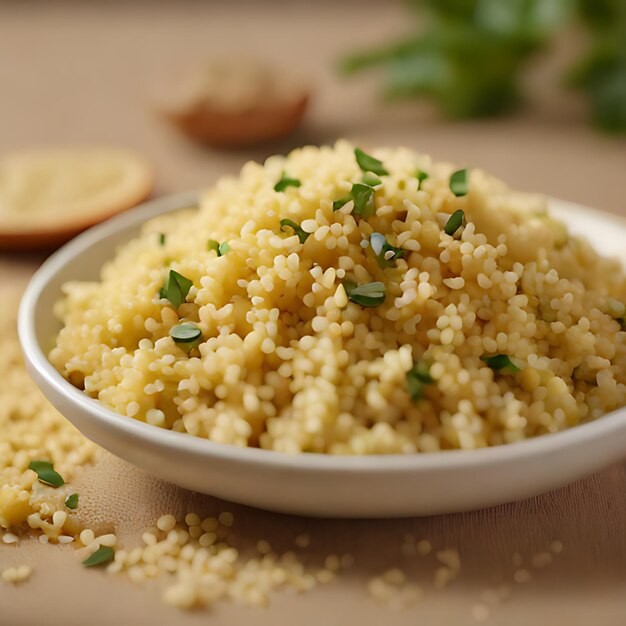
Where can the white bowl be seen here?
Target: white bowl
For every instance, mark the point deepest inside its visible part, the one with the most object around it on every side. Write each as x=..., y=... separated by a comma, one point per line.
x=312, y=484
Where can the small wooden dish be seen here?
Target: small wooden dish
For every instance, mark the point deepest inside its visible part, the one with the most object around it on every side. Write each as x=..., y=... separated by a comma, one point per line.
x=234, y=104
x=49, y=195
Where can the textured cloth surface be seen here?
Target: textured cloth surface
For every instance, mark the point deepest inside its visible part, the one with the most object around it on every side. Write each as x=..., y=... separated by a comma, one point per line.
x=94, y=65
x=585, y=583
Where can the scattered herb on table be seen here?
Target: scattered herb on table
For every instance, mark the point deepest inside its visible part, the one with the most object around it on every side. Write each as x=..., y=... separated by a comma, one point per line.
x=501, y=363
x=369, y=164
x=297, y=229
x=455, y=221
x=285, y=182
x=417, y=378
x=220, y=248
x=459, y=183
x=104, y=554
x=46, y=474
x=176, y=288
x=71, y=502
x=366, y=294
x=386, y=254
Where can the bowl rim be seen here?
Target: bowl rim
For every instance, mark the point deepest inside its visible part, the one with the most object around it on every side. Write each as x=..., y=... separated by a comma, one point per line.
x=36, y=359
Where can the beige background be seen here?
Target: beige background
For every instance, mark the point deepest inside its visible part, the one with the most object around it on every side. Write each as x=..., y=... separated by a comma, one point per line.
x=83, y=73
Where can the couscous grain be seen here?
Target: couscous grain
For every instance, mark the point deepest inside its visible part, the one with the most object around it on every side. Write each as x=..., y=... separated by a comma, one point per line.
x=353, y=313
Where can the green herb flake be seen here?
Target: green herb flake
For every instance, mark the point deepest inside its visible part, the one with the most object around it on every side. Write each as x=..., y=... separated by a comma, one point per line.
x=104, y=554
x=286, y=182
x=220, y=248
x=386, y=254
x=185, y=333
x=162, y=239
x=417, y=378
x=421, y=176
x=46, y=474
x=459, y=183
x=337, y=204
x=363, y=196
x=371, y=179
x=369, y=164
x=367, y=294
x=71, y=502
x=455, y=221
x=176, y=288
x=501, y=363
x=302, y=235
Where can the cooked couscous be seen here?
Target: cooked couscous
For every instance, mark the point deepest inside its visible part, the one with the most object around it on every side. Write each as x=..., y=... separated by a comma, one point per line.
x=199, y=560
x=33, y=432
x=342, y=302
x=196, y=556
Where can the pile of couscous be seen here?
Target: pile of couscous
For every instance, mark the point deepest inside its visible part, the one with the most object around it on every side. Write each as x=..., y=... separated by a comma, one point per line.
x=195, y=559
x=346, y=302
x=32, y=430
x=41, y=453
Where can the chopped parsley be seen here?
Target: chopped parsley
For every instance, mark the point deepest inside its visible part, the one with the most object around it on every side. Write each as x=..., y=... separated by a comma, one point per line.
x=285, y=182
x=386, y=254
x=417, y=378
x=176, y=288
x=162, y=239
x=363, y=196
x=501, y=363
x=302, y=235
x=455, y=221
x=71, y=502
x=46, y=474
x=371, y=179
x=104, y=554
x=421, y=176
x=337, y=204
x=185, y=333
x=459, y=183
x=220, y=248
x=367, y=294
x=369, y=164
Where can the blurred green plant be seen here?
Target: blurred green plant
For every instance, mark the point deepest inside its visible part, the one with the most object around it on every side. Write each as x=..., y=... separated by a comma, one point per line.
x=602, y=71
x=471, y=54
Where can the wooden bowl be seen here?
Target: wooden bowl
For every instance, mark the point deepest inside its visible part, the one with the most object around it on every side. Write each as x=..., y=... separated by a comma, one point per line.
x=48, y=196
x=234, y=104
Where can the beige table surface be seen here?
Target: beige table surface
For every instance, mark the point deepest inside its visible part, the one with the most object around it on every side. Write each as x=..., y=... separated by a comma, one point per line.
x=82, y=73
